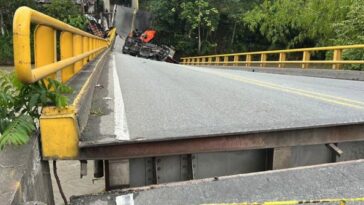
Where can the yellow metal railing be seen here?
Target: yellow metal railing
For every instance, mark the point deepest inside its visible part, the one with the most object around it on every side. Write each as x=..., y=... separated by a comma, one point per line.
x=353, y=201
x=76, y=47
x=246, y=59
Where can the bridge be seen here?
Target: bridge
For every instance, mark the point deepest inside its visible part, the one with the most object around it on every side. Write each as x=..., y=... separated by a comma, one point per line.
x=146, y=122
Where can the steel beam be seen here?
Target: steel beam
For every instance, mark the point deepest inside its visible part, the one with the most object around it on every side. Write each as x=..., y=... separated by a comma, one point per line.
x=234, y=142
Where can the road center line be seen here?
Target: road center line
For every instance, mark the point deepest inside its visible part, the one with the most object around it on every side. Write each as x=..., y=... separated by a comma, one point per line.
x=310, y=94
x=121, y=127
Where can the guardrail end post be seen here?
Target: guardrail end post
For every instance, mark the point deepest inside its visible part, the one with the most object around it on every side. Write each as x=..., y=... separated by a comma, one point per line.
x=55, y=144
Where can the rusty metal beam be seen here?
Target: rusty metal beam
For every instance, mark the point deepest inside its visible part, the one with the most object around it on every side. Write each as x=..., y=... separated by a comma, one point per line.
x=311, y=136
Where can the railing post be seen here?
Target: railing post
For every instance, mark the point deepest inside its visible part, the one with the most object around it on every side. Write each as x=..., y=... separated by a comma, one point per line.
x=77, y=50
x=85, y=49
x=66, y=47
x=217, y=60
x=306, y=57
x=248, y=60
x=226, y=60
x=197, y=61
x=203, y=61
x=337, y=57
x=209, y=61
x=90, y=47
x=282, y=58
x=236, y=60
x=45, y=47
x=263, y=59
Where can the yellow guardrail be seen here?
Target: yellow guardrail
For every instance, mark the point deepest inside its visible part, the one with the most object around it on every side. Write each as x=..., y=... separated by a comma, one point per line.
x=237, y=59
x=76, y=47
x=324, y=201
x=60, y=52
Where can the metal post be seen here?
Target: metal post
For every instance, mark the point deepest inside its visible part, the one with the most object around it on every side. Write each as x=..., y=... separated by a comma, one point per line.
x=217, y=60
x=337, y=57
x=90, y=57
x=226, y=60
x=210, y=61
x=236, y=60
x=263, y=59
x=45, y=47
x=85, y=49
x=77, y=50
x=66, y=44
x=282, y=58
x=248, y=60
x=203, y=61
x=306, y=57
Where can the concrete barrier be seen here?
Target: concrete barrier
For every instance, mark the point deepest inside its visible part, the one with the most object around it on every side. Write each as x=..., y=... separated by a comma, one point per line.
x=24, y=177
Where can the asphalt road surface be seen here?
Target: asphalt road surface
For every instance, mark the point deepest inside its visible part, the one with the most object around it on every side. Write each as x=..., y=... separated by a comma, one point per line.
x=151, y=100
x=164, y=100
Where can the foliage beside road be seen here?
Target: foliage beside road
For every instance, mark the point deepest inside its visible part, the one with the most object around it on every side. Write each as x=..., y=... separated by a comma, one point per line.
x=64, y=10
x=20, y=106
x=215, y=26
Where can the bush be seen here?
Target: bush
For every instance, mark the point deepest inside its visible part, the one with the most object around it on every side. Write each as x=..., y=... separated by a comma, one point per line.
x=20, y=103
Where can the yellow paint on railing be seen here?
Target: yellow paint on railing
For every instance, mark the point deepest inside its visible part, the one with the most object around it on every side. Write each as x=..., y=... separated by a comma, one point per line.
x=60, y=127
x=45, y=46
x=336, y=62
x=295, y=202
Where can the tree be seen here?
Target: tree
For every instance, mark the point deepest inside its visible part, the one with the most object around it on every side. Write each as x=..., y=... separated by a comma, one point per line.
x=66, y=11
x=299, y=23
x=200, y=16
x=351, y=31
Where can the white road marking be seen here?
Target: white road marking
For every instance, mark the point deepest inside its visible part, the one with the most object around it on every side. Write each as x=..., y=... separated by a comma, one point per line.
x=121, y=126
x=125, y=199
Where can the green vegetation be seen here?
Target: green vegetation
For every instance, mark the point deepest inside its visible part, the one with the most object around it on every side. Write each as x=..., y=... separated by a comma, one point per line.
x=215, y=26
x=20, y=106
x=64, y=10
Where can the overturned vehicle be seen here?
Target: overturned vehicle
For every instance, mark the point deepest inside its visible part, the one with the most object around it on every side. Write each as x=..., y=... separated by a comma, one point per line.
x=139, y=45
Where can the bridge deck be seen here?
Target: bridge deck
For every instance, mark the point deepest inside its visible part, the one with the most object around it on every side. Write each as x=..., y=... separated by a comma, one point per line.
x=140, y=101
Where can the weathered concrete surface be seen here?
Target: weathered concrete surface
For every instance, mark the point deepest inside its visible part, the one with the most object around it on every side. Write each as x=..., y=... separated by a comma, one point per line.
x=312, y=72
x=342, y=180
x=72, y=184
x=24, y=177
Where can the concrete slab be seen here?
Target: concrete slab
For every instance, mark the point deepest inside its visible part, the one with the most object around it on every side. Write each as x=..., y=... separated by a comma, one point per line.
x=341, y=180
x=24, y=177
